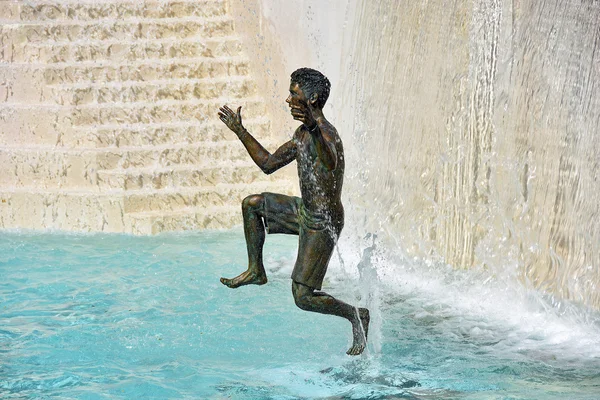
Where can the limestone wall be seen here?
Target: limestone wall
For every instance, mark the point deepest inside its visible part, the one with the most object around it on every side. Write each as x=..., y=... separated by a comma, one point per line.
x=108, y=116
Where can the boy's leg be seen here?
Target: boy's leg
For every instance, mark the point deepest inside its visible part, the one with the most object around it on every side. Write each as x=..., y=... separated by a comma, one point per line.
x=254, y=231
x=314, y=253
x=310, y=300
x=280, y=212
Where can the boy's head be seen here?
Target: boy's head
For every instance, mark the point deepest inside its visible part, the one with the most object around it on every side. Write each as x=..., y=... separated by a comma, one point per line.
x=313, y=84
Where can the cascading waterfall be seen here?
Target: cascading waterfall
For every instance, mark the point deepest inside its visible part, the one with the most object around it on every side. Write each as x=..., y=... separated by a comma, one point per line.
x=471, y=163
x=470, y=125
x=474, y=125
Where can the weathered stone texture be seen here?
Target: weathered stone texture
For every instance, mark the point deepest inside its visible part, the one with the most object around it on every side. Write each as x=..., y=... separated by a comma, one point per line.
x=108, y=117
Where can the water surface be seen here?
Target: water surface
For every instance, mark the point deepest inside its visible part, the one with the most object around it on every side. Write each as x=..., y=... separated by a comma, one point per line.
x=115, y=316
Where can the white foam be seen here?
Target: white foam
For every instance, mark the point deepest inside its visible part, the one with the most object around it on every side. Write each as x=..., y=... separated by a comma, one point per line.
x=475, y=304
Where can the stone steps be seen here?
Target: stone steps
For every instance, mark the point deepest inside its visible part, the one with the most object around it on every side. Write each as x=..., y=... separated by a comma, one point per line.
x=151, y=200
x=48, y=165
x=81, y=171
x=31, y=208
x=160, y=111
x=116, y=30
x=147, y=70
x=101, y=51
x=180, y=176
x=108, y=116
x=102, y=213
x=17, y=116
x=193, y=218
x=108, y=124
x=133, y=157
x=89, y=93
x=138, y=212
x=53, y=169
x=86, y=11
x=136, y=135
x=138, y=71
x=221, y=195
x=134, y=92
x=176, y=133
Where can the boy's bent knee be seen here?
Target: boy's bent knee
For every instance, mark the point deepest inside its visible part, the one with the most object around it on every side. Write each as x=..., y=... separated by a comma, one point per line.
x=254, y=202
x=302, y=295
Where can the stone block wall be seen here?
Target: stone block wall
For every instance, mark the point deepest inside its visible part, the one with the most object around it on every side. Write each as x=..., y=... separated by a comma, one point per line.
x=108, y=116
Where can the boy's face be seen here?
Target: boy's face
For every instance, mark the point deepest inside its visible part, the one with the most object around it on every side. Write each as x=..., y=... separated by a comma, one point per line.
x=297, y=99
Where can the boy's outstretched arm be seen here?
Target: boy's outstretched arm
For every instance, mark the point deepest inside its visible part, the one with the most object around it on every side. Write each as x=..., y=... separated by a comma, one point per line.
x=266, y=161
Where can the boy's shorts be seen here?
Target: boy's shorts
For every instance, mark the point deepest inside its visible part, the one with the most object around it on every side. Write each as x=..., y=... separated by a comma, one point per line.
x=317, y=235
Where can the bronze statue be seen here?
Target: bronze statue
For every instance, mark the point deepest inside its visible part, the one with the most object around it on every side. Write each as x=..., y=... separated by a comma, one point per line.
x=317, y=217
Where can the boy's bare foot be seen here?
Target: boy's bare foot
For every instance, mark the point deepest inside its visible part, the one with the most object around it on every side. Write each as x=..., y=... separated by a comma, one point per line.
x=245, y=278
x=360, y=333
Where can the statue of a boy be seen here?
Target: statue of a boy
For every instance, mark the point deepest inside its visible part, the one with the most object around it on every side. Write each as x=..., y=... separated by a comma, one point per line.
x=317, y=217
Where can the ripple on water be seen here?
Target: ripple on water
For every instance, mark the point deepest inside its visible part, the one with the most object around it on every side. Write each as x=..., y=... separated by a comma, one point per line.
x=111, y=316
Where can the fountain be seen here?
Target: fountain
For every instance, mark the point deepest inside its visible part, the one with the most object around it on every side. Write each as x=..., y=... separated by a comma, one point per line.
x=482, y=116
x=108, y=116
x=471, y=192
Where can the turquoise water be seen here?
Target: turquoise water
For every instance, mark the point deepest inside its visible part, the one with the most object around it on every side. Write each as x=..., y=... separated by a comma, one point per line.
x=113, y=316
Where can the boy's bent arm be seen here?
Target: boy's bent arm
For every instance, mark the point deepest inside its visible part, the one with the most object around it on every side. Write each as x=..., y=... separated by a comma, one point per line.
x=325, y=147
x=266, y=161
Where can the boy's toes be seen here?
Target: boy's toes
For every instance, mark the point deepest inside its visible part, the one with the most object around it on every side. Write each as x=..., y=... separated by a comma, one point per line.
x=355, y=350
x=227, y=282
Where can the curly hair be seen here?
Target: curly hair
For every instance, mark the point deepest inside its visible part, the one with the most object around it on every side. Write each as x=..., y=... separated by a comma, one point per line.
x=312, y=81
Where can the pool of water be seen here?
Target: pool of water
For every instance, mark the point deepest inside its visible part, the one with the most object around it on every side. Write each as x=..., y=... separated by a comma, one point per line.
x=115, y=316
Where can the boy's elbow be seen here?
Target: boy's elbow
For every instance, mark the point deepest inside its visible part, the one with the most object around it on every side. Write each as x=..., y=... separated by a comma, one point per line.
x=267, y=168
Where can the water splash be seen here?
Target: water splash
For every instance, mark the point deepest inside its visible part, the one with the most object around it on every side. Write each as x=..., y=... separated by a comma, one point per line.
x=474, y=133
